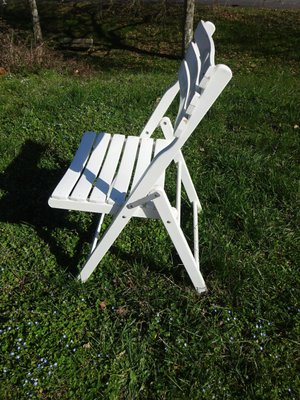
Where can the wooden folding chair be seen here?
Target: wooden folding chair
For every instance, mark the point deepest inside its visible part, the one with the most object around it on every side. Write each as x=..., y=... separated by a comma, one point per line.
x=124, y=175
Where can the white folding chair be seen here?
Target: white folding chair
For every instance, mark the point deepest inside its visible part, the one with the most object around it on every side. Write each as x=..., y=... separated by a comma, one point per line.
x=124, y=175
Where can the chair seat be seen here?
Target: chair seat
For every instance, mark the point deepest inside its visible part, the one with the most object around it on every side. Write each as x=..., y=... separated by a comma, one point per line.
x=104, y=171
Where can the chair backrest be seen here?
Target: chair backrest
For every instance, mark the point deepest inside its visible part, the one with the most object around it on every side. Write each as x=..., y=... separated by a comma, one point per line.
x=200, y=84
x=195, y=69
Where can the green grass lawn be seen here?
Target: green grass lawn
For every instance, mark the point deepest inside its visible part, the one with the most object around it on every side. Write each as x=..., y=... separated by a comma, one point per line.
x=137, y=329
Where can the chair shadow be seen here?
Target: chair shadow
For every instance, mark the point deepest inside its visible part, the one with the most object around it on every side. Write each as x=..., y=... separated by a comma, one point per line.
x=25, y=201
x=27, y=188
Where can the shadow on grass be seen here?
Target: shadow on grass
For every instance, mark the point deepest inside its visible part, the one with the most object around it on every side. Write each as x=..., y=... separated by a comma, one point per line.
x=263, y=35
x=27, y=188
x=116, y=42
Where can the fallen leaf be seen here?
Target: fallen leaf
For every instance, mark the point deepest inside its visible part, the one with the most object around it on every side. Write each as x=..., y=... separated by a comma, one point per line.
x=122, y=311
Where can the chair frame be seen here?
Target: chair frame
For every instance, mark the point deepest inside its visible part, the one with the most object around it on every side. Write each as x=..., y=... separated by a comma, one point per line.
x=199, y=84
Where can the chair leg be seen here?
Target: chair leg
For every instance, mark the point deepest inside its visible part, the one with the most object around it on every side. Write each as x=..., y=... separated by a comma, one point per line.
x=170, y=222
x=187, y=181
x=110, y=235
x=96, y=234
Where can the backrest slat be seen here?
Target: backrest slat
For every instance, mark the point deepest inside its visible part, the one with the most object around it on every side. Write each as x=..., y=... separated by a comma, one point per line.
x=200, y=84
x=205, y=43
x=194, y=70
x=188, y=76
x=184, y=84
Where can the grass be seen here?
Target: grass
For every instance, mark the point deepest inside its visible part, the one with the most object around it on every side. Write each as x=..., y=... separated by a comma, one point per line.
x=137, y=329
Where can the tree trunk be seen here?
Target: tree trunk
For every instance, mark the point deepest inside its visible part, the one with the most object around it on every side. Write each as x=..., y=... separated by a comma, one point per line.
x=189, y=10
x=37, y=32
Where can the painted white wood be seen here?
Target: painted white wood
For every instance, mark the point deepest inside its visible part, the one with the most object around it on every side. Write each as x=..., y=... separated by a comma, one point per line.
x=184, y=83
x=178, y=190
x=160, y=110
x=187, y=181
x=167, y=128
x=99, y=178
x=99, y=208
x=205, y=43
x=194, y=65
x=210, y=27
x=110, y=235
x=196, y=234
x=144, y=159
x=97, y=231
x=122, y=180
x=160, y=144
x=73, y=173
x=91, y=170
x=219, y=77
x=175, y=232
x=102, y=186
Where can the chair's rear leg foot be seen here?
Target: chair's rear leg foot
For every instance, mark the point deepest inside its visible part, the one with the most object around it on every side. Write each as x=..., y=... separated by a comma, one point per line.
x=171, y=224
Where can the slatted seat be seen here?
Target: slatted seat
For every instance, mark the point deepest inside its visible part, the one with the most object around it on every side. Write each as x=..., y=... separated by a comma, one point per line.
x=124, y=175
x=104, y=171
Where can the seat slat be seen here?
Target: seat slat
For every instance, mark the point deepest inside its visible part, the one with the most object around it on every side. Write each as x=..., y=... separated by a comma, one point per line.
x=92, y=168
x=103, y=182
x=122, y=180
x=144, y=159
x=73, y=173
x=160, y=144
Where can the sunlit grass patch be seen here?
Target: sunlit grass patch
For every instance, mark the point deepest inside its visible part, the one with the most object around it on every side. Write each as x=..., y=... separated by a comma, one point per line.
x=137, y=329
